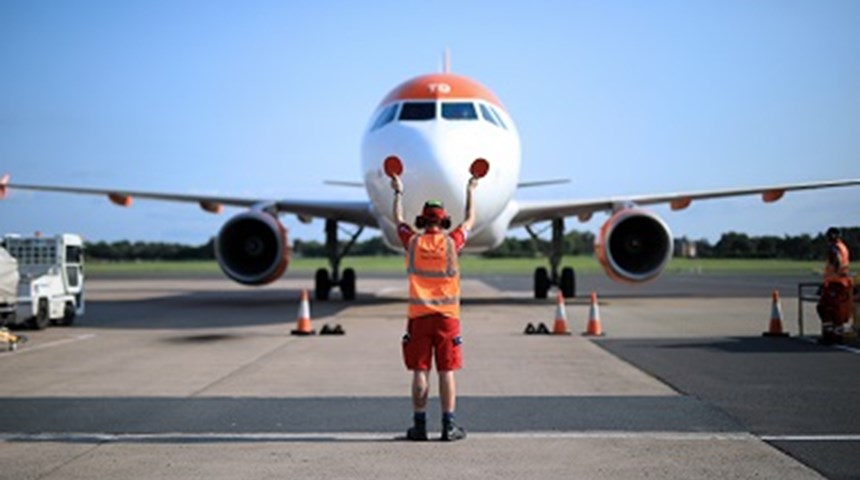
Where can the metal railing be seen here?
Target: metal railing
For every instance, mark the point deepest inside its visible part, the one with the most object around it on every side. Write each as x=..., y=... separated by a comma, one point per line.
x=806, y=292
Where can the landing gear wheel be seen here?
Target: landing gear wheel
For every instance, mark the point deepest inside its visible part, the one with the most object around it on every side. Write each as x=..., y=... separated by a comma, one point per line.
x=568, y=282
x=322, y=284
x=541, y=282
x=69, y=315
x=42, y=318
x=347, y=284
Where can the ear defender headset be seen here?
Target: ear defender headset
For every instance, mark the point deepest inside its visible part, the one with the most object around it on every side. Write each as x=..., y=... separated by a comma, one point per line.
x=433, y=210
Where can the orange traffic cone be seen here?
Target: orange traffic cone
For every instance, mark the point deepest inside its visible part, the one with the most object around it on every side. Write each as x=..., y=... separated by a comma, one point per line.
x=303, y=319
x=775, y=328
x=560, y=326
x=593, y=329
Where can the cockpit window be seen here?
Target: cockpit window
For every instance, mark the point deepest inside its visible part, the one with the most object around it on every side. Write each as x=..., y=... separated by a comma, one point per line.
x=499, y=118
x=459, y=111
x=385, y=117
x=485, y=112
x=418, y=111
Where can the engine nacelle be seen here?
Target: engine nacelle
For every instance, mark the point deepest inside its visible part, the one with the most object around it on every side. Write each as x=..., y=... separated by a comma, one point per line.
x=634, y=246
x=252, y=248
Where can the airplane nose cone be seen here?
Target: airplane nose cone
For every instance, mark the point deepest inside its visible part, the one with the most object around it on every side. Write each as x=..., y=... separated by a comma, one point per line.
x=437, y=160
x=435, y=169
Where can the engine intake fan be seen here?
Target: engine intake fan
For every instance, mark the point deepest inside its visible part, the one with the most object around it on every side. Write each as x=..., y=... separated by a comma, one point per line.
x=634, y=246
x=252, y=248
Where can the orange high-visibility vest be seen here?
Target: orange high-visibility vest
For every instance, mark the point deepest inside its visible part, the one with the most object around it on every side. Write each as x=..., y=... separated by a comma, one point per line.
x=434, y=276
x=836, y=272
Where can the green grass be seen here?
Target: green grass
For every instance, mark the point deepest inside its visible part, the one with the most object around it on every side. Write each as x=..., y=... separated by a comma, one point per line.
x=744, y=265
x=470, y=264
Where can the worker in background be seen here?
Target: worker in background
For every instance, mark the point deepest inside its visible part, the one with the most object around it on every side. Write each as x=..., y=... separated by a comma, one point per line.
x=835, y=305
x=433, y=328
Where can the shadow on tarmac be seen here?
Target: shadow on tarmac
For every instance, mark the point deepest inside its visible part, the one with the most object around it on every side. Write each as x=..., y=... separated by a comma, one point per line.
x=225, y=309
x=213, y=309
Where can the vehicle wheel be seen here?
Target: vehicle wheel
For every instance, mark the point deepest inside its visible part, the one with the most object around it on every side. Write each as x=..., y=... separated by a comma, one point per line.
x=42, y=318
x=541, y=282
x=568, y=282
x=69, y=315
x=347, y=284
x=322, y=285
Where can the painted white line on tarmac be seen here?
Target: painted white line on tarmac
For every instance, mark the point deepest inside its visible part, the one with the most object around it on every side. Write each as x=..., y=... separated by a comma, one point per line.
x=96, y=437
x=811, y=438
x=844, y=348
x=360, y=436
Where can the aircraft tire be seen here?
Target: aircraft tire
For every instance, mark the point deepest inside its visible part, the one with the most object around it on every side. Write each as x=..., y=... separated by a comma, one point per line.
x=568, y=282
x=347, y=284
x=541, y=282
x=322, y=285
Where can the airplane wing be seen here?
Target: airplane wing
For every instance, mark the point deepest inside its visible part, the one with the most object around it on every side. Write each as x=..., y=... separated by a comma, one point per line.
x=536, y=211
x=356, y=212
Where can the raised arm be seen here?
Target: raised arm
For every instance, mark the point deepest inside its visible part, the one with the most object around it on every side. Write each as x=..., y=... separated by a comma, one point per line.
x=397, y=186
x=469, y=220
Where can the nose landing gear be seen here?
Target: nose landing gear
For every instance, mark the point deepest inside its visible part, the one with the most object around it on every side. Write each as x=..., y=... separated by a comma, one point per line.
x=545, y=279
x=325, y=282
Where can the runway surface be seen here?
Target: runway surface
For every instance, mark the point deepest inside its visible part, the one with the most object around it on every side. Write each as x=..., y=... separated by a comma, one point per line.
x=191, y=378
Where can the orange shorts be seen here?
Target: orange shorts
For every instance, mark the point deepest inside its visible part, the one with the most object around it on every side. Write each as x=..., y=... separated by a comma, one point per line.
x=429, y=335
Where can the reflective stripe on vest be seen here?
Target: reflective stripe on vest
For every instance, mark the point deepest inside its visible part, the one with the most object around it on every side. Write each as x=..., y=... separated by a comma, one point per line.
x=434, y=301
x=434, y=279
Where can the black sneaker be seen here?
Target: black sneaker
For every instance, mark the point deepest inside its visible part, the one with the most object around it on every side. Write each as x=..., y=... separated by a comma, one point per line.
x=417, y=433
x=451, y=432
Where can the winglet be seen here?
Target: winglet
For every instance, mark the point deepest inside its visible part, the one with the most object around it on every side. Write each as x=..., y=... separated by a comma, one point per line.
x=4, y=182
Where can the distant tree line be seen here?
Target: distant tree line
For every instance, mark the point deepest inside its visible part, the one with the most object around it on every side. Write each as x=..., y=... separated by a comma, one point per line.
x=730, y=245
x=801, y=247
x=127, y=251
x=575, y=243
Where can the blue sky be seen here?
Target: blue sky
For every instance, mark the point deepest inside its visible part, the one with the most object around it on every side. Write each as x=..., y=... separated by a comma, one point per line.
x=268, y=99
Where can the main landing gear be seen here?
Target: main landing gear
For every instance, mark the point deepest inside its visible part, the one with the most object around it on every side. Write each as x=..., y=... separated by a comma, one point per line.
x=544, y=279
x=324, y=282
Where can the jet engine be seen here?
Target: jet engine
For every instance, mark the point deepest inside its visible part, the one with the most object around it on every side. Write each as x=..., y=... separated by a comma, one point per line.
x=252, y=248
x=634, y=246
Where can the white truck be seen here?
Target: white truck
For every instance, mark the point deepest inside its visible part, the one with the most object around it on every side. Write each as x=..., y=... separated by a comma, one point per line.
x=8, y=286
x=51, y=279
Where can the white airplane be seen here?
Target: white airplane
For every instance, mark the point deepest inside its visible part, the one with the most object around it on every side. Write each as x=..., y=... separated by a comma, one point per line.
x=435, y=127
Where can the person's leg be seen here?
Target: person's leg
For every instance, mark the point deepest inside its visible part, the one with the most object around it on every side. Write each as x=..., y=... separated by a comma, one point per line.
x=448, y=391
x=420, y=390
x=448, y=397
x=448, y=360
x=417, y=355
